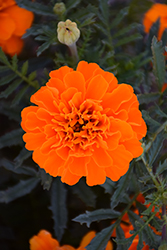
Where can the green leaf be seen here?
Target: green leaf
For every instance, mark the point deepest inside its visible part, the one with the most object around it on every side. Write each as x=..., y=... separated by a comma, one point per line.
x=7, y=79
x=159, y=112
x=122, y=188
x=85, y=193
x=46, y=179
x=12, y=138
x=140, y=243
x=12, y=87
x=43, y=47
x=104, y=8
x=3, y=57
x=24, y=68
x=11, y=113
x=148, y=210
x=150, y=121
x=14, y=62
x=128, y=39
x=97, y=215
x=32, y=76
x=19, y=190
x=19, y=96
x=147, y=98
x=123, y=31
x=23, y=155
x=101, y=239
x=71, y=4
x=109, y=186
x=158, y=62
x=161, y=168
x=120, y=235
x=8, y=165
x=58, y=207
x=119, y=17
x=155, y=148
x=36, y=7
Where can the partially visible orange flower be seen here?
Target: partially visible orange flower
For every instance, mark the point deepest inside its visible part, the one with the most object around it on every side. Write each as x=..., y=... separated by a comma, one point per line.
x=84, y=124
x=44, y=241
x=14, y=21
x=157, y=10
x=89, y=236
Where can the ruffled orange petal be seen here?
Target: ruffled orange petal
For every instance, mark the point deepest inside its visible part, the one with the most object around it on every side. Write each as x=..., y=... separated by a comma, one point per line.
x=22, y=18
x=60, y=73
x=69, y=178
x=140, y=130
x=79, y=166
x=7, y=26
x=123, y=127
x=134, y=116
x=34, y=140
x=24, y=114
x=101, y=86
x=87, y=69
x=121, y=157
x=113, y=173
x=102, y=157
x=121, y=94
x=43, y=241
x=113, y=140
x=134, y=146
x=96, y=175
x=75, y=79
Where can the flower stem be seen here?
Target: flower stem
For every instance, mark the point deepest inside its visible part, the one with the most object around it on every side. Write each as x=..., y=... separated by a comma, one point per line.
x=74, y=52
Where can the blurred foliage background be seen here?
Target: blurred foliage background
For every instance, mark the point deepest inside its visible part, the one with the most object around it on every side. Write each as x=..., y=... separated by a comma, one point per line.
x=112, y=35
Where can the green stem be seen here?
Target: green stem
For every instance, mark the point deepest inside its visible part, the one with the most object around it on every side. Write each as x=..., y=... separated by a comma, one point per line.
x=74, y=52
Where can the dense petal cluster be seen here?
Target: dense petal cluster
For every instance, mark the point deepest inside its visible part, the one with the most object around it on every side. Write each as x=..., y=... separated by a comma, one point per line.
x=151, y=16
x=84, y=124
x=44, y=241
x=13, y=24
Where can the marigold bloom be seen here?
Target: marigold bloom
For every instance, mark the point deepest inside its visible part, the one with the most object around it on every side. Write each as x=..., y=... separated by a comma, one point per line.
x=151, y=16
x=84, y=124
x=44, y=241
x=13, y=24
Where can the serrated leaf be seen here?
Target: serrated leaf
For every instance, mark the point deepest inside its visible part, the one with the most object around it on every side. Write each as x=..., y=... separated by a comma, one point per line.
x=24, y=68
x=101, y=239
x=109, y=186
x=120, y=235
x=164, y=38
x=19, y=96
x=3, y=57
x=128, y=39
x=11, y=113
x=32, y=76
x=85, y=193
x=161, y=168
x=123, y=31
x=122, y=188
x=150, y=121
x=58, y=207
x=119, y=17
x=7, y=79
x=148, y=210
x=36, y=7
x=71, y=4
x=19, y=190
x=147, y=98
x=104, y=15
x=97, y=215
x=14, y=62
x=155, y=148
x=12, y=87
x=158, y=62
x=46, y=179
x=43, y=47
x=8, y=165
x=23, y=155
x=159, y=112
x=153, y=32
x=12, y=138
x=140, y=242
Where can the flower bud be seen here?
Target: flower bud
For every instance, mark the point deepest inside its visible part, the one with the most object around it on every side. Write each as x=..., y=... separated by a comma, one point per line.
x=68, y=33
x=59, y=8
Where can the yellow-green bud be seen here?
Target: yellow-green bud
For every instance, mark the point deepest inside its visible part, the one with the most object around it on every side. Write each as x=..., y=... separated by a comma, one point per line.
x=68, y=33
x=59, y=8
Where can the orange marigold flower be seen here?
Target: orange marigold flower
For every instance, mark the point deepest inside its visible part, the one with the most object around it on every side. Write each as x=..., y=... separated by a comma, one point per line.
x=84, y=124
x=13, y=24
x=156, y=11
x=44, y=241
